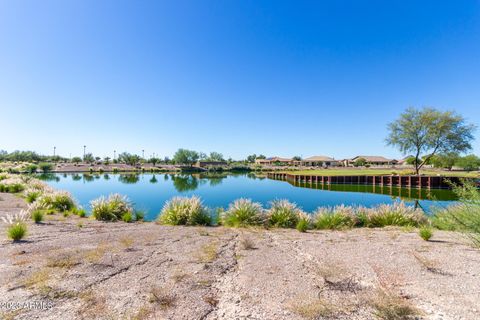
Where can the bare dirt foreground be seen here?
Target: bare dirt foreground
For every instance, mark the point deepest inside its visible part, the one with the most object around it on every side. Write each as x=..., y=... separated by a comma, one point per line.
x=93, y=270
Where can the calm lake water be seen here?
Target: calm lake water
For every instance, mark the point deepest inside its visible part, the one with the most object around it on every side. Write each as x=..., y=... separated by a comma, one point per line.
x=149, y=192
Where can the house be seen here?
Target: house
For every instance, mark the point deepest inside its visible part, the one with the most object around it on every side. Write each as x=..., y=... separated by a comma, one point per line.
x=274, y=161
x=203, y=164
x=319, y=161
x=371, y=160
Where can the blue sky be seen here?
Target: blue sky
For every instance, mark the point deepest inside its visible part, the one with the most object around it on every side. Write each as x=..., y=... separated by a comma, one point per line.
x=239, y=77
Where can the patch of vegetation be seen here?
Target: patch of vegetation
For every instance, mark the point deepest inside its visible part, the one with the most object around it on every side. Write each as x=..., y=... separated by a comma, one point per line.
x=303, y=224
x=162, y=297
x=337, y=218
x=59, y=200
x=314, y=308
x=425, y=233
x=112, y=208
x=185, y=211
x=243, y=213
x=463, y=217
x=17, y=231
x=284, y=214
x=12, y=188
x=390, y=306
x=397, y=214
x=127, y=217
x=37, y=216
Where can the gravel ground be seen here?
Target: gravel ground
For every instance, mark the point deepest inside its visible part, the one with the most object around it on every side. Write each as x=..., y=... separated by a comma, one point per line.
x=93, y=270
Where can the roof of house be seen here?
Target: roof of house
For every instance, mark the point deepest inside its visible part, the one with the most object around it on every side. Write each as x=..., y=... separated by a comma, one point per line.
x=373, y=158
x=278, y=159
x=319, y=158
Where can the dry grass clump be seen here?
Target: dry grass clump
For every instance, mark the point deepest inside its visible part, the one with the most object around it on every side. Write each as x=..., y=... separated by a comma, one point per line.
x=65, y=260
x=56, y=200
x=247, y=243
x=243, y=213
x=390, y=306
x=185, y=211
x=209, y=253
x=314, y=308
x=162, y=297
x=284, y=214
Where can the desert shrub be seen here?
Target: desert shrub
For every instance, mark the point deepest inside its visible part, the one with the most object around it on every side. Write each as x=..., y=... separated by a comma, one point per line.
x=31, y=168
x=12, y=187
x=17, y=231
x=127, y=217
x=112, y=208
x=45, y=167
x=139, y=215
x=283, y=214
x=185, y=211
x=303, y=224
x=32, y=195
x=464, y=216
x=242, y=213
x=37, y=216
x=425, y=233
x=16, y=226
x=59, y=200
x=397, y=214
x=336, y=218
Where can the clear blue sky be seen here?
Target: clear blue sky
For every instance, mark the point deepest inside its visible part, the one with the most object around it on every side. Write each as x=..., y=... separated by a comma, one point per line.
x=239, y=77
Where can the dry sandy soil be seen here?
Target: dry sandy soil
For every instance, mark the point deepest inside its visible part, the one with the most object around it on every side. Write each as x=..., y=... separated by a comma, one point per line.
x=93, y=270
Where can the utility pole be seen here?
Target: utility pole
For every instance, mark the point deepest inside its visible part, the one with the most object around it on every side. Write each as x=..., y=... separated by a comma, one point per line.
x=84, y=148
x=54, y=149
x=114, y=154
x=143, y=154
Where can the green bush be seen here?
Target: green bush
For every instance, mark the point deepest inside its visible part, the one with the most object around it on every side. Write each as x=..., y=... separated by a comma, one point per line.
x=127, y=217
x=17, y=231
x=45, y=167
x=283, y=214
x=12, y=188
x=242, y=213
x=336, y=218
x=425, y=233
x=139, y=215
x=185, y=211
x=37, y=216
x=31, y=168
x=32, y=195
x=112, y=208
x=303, y=224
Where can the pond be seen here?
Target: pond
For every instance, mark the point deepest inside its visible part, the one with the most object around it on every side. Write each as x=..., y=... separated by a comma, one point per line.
x=149, y=192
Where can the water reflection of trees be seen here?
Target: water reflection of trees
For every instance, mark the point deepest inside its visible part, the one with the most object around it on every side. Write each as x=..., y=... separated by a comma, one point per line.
x=129, y=178
x=49, y=177
x=88, y=177
x=153, y=179
x=76, y=177
x=106, y=176
x=183, y=183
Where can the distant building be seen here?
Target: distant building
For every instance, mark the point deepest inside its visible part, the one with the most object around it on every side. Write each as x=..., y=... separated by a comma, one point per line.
x=319, y=161
x=371, y=160
x=203, y=164
x=274, y=160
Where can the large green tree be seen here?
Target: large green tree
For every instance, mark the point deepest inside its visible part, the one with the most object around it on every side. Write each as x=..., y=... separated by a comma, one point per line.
x=128, y=158
x=429, y=131
x=184, y=156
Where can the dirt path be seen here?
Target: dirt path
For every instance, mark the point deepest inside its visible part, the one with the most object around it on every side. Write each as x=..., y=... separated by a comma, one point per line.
x=94, y=270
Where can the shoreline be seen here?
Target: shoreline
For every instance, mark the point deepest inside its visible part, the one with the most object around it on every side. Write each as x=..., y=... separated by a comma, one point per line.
x=94, y=269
